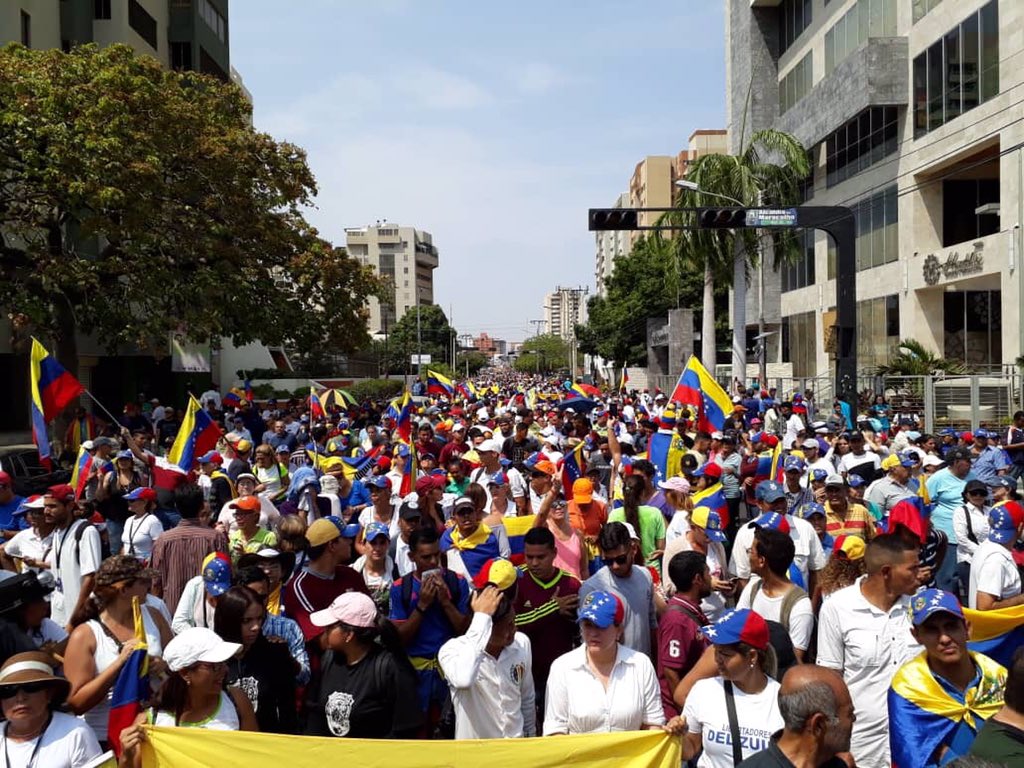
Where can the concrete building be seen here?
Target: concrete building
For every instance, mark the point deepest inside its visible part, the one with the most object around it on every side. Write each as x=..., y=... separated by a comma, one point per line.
x=564, y=309
x=489, y=345
x=406, y=257
x=912, y=115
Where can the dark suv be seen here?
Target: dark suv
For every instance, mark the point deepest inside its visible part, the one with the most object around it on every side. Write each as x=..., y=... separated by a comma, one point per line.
x=21, y=462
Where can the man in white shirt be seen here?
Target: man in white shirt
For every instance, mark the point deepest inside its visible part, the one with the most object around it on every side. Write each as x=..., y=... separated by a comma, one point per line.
x=864, y=633
x=490, y=460
x=211, y=394
x=995, y=581
x=489, y=669
x=794, y=426
x=860, y=460
x=74, y=557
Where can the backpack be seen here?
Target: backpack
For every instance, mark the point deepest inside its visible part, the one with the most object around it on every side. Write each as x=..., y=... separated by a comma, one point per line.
x=79, y=533
x=791, y=599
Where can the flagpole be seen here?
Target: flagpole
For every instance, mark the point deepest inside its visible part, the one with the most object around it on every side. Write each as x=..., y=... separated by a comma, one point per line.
x=113, y=418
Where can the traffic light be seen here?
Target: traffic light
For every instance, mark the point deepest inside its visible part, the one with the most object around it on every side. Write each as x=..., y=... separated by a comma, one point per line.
x=609, y=219
x=722, y=218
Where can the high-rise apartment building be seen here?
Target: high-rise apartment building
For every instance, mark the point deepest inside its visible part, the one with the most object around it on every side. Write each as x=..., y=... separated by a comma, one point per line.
x=404, y=256
x=181, y=34
x=911, y=112
x=611, y=246
x=564, y=309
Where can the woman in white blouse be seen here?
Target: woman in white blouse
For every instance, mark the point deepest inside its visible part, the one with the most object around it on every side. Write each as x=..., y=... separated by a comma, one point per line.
x=603, y=686
x=970, y=523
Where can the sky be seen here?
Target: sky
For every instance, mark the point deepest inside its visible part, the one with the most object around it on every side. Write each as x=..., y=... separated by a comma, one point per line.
x=493, y=126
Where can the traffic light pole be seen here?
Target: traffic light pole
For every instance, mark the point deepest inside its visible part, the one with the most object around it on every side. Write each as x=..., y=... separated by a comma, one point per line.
x=836, y=221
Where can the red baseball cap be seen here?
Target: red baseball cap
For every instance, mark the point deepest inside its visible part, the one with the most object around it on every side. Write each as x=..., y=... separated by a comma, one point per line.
x=427, y=483
x=62, y=492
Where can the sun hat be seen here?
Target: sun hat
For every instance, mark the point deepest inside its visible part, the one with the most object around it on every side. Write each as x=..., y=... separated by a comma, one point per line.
x=197, y=644
x=34, y=667
x=120, y=568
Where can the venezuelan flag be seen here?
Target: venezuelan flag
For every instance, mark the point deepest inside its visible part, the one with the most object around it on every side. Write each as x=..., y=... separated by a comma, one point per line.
x=516, y=529
x=197, y=434
x=232, y=398
x=439, y=385
x=247, y=387
x=391, y=412
x=52, y=389
x=698, y=388
x=358, y=467
x=997, y=634
x=713, y=498
x=83, y=466
x=665, y=452
x=624, y=380
x=775, y=471
x=574, y=466
x=466, y=389
x=923, y=716
x=316, y=408
x=403, y=421
x=131, y=689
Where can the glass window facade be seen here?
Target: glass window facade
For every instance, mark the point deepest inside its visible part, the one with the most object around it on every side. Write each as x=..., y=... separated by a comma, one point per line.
x=796, y=84
x=800, y=273
x=794, y=18
x=958, y=72
x=878, y=330
x=923, y=7
x=860, y=143
x=878, y=238
x=868, y=18
x=973, y=327
x=799, y=336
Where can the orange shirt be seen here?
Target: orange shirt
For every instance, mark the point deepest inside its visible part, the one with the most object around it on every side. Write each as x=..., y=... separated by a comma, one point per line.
x=588, y=522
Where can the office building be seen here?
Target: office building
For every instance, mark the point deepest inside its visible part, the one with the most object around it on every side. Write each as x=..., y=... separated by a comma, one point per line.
x=406, y=258
x=489, y=345
x=564, y=309
x=912, y=115
x=611, y=246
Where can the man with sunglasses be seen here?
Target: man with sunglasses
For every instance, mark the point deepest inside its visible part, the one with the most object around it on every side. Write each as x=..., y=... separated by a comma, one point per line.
x=633, y=585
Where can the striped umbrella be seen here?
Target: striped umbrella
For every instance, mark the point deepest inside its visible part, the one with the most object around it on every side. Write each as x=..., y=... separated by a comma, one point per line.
x=337, y=398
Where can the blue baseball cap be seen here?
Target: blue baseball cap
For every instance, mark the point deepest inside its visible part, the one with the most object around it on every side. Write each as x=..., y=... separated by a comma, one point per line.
x=602, y=609
x=855, y=481
x=930, y=601
x=804, y=511
x=819, y=475
x=773, y=521
x=794, y=464
x=126, y=454
x=216, y=574
x=770, y=491
x=739, y=626
x=1003, y=526
x=1002, y=481
x=375, y=529
x=379, y=481
x=950, y=432
x=211, y=457
x=498, y=479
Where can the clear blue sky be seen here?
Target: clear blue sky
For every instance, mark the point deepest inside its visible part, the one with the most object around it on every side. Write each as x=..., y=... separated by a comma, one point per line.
x=492, y=125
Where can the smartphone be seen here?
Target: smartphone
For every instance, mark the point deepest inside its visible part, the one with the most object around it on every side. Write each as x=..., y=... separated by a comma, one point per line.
x=613, y=410
x=432, y=572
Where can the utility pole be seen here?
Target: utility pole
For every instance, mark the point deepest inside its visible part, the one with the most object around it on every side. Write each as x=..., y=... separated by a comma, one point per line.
x=536, y=325
x=467, y=341
x=419, y=338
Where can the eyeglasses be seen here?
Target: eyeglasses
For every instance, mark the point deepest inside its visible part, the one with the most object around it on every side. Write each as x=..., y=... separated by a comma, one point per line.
x=10, y=691
x=620, y=560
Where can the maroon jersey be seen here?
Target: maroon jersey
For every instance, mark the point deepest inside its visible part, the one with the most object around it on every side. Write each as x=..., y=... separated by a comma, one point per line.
x=308, y=593
x=680, y=645
x=551, y=634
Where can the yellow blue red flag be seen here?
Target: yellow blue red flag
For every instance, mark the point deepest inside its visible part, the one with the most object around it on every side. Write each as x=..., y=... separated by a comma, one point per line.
x=698, y=388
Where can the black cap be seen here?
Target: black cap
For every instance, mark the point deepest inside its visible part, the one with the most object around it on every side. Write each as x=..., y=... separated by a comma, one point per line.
x=20, y=590
x=957, y=454
x=409, y=511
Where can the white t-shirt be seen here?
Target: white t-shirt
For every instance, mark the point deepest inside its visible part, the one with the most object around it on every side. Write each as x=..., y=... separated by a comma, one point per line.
x=965, y=548
x=69, y=569
x=67, y=743
x=48, y=632
x=851, y=460
x=517, y=486
x=757, y=715
x=809, y=554
x=993, y=572
x=369, y=515
x=27, y=543
x=139, y=534
x=678, y=526
x=801, y=617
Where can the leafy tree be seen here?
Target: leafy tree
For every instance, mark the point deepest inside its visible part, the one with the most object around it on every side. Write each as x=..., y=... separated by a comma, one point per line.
x=435, y=338
x=543, y=353
x=912, y=358
x=472, y=361
x=137, y=201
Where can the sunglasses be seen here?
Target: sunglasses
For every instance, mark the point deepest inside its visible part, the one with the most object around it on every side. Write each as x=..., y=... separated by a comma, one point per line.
x=977, y=493
x=620, y=560
x=10, y=691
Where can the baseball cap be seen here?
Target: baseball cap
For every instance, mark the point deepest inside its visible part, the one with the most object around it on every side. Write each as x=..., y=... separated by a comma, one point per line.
x=489, y=446
x=32, y=502
x=146, y=494
x=544, y=466
x=854, y=481
x=848, y=547
x=324, y=530
x=354, y=609
x=497, y=571
x=931, y=601
x=716, y=435
x=931, y=461
x=243, y=445
x=283, y=448
x=1003, y=521
x=896, y=460
x=197, y=644
x=677, y=484
x=246, y=504
x=967, y=437
x=957, y=454
x=409, y=511
x=630, y=530
x=738, y=626
x=88, y=445
x=211, y=457
x=126, y=454
x=246, y=476
x=835, y=479
x=582, y=491
x=757, y=437
x=818, y=475
x=773, y=521
x=770, y=491
x=602, y=609
x=794, y=464
x=810, y=508
x=378, y=481
x=710, y=521
x=771, y=440
x=216, y=574
x=1002, y=481
x=21, y=589
x=63, y=492
x=708, y=470
x=375, y=529
x=499, y=478
x=428, y=483
x=810, y=443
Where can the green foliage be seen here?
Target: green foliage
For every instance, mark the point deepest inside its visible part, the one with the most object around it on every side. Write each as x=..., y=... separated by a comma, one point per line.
x=376, y=389
x=473, y=361
x=912, y=358
x=434, y=330
x=136, y=201
x=542, y=354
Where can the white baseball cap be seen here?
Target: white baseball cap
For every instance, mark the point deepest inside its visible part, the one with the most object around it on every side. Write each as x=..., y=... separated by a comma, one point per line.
x=492, y=445
x=197, y=644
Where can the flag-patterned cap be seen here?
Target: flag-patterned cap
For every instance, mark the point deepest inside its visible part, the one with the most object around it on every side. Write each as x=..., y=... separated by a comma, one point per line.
x=602, y=609
x=710, y=521
x=773, y=521
x=216, y=574
x=847, y=547
x=931, y=601
x=739, y=626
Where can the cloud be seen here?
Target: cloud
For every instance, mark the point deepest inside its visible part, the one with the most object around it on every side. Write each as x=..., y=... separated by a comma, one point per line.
x=536, y=77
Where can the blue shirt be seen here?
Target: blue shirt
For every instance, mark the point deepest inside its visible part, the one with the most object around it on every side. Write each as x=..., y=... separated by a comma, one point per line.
x=359, y=495
x=8, y=522
x=946, y=492
x=988, y=463
x=435, y=629
x=289, y=630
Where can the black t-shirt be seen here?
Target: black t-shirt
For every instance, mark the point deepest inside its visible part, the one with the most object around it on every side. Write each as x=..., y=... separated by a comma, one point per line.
x=375, y=698
x=266, y=676
x=773, y=758
x=516, y=451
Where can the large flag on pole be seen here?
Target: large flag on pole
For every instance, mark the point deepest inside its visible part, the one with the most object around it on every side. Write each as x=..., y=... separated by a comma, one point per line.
x=438, y=384
x=131, y=689
x=197, y=435
x=52, y=389
x=698, y=388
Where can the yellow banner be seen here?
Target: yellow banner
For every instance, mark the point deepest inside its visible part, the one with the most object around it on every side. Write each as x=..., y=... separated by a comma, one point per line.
x=197, y=748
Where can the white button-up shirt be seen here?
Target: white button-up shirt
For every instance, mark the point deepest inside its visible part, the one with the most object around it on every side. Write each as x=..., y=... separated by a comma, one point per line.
x=809, y=555
x=493, y=698
x=867, y=645
x=576, y=702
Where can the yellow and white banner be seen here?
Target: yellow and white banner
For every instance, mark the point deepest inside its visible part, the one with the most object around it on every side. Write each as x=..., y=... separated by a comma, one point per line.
x=196, y=748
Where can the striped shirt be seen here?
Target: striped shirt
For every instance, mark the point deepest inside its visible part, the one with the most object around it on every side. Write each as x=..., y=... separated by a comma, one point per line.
x=551, y=633
x=856, y=522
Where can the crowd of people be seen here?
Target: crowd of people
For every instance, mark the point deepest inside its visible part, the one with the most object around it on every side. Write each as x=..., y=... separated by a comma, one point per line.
x=786, y=590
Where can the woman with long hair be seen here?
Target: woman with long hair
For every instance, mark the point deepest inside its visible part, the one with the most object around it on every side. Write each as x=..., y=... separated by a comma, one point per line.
x=104, y=638
x=271, y=477
x=263, y=670
x=110, y=495
x=429, y=492
x=291, y=539
x=194, y=694
x=746, y=662
x=571, y=554
x=367, y=683
x=647, y=521
x=843, y=568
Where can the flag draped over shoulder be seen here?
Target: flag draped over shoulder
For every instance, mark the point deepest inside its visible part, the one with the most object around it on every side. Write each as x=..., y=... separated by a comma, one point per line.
x=83, y=466
x=574, y=466
x=52, y=388
x=197, y=434
x=131, y=689
x=665, y=452
x=516, y=529
x=438, y=384
x=922, y=715
x=698, y=388
x=997, y=634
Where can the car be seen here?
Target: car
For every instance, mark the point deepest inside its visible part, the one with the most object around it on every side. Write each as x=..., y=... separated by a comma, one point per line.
x=28, y=474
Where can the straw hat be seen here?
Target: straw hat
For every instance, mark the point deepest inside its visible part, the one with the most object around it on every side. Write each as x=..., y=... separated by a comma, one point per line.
x=34, y=667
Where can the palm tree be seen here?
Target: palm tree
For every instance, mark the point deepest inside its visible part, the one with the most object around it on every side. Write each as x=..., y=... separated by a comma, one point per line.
x=912, y=358
x=766, y=173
